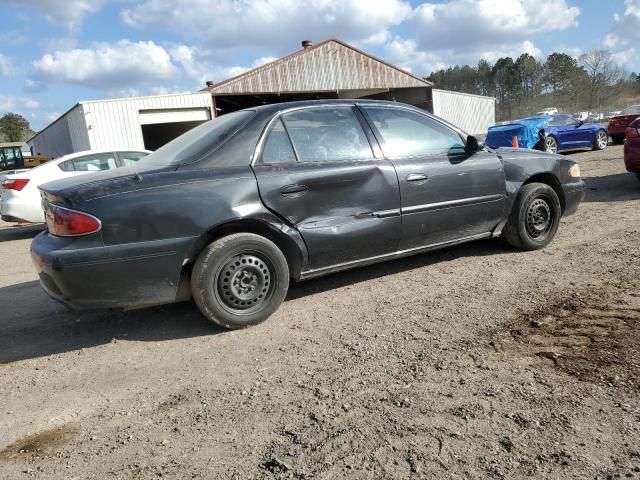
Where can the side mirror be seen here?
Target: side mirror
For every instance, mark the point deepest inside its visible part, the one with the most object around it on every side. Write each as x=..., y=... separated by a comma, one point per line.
x=473, y=144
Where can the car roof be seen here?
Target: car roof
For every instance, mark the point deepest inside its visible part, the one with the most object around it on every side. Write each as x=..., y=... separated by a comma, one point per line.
x=275, y=107
x=71, y=156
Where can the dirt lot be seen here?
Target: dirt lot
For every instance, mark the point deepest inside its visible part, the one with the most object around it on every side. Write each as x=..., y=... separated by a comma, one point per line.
x=473, y=362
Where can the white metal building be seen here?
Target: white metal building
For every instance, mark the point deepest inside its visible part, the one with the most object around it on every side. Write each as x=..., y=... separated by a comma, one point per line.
x=137, y=123
x=472, y=113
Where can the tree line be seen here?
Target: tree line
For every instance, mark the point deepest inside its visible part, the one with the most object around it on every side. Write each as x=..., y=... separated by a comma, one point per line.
x=593, y=82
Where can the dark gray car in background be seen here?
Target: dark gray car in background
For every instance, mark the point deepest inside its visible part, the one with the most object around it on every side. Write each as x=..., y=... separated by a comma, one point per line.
x=232, y=210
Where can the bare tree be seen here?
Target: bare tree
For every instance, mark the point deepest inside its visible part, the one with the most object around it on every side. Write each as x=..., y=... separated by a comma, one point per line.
x=603, y=72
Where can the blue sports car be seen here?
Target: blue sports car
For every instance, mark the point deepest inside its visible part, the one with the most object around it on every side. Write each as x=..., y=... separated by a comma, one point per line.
x=551, y=133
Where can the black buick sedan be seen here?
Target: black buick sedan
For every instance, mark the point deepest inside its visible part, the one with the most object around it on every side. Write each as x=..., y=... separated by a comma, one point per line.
x=231, y=211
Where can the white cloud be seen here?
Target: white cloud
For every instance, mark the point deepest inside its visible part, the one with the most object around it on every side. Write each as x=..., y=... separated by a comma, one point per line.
x=122, y=64
x=68, y=12
x=405, y=54
x=10, y=103
x=199, y=66
x=34, y=86
x=6, y=66
x=280, y=24
x=625, y=34
x=473, y=24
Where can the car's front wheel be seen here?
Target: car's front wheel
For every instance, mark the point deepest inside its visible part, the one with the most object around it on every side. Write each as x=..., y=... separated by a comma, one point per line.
x=240, y=280
x=534, y=218
x=551, y=145
x=601, y=141
x=617, y=139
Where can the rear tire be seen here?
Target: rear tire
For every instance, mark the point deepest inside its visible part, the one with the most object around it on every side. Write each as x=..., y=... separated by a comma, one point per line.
x=534, y=218
x=601, y=141
x=240, y=280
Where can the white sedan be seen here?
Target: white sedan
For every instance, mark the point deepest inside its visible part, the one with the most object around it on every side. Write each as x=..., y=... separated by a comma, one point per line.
x=21, y=197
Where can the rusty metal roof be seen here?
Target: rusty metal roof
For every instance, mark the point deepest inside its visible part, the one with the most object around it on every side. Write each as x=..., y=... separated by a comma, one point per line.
x=331, y=65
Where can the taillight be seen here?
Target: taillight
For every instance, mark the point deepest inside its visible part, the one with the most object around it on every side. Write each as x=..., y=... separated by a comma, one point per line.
x=632, y=132
x=65, y=222
x=15, y=183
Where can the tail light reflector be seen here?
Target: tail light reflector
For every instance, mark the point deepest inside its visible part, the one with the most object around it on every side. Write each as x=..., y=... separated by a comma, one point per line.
x=15, y=183
x=632, y=132
x=65, y=222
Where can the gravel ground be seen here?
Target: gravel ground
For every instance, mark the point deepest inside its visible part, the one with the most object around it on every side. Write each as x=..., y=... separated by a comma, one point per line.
x=473, y=362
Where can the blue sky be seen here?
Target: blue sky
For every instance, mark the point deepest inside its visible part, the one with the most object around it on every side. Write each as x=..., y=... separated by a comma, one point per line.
x=54, y=53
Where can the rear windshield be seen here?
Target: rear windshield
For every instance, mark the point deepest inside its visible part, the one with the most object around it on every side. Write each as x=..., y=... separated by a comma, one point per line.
x=202, y=139
x=635, y=110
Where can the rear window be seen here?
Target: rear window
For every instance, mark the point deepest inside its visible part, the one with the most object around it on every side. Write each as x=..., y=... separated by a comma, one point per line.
x=635, y=110
x=204, y=138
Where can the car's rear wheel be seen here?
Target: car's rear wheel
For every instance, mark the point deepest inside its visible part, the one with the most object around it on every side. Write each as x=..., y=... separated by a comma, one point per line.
x=601, y=141
x=240, y=280
x=551, y=144
x=534, y=218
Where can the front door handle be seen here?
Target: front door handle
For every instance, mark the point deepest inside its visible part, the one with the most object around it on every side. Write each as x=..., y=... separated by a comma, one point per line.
x=293, y=190
x=417, y=177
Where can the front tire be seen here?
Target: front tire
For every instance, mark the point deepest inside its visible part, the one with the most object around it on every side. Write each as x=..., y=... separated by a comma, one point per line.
x=617, y=139
x=551, y=144
x=240, y=280
x=601, y=141
x=534, y=218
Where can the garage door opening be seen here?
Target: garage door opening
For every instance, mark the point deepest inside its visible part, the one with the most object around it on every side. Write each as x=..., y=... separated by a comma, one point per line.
x=158, y=134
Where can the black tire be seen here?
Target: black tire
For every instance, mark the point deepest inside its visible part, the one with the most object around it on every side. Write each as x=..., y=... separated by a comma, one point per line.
x=617, y=139
x=240, y=280
x=601, y=141
x=534, y=218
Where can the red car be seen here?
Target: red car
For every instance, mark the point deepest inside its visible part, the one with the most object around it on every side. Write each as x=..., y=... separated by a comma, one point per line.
x=632, y=148
x=618, y=124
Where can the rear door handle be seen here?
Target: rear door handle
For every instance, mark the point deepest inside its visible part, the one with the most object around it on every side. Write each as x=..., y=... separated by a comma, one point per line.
x=417, y=177
x=293, y=190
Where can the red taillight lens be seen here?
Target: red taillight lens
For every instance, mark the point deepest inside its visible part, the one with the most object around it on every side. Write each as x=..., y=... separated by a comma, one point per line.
x=632, y=132
x=15, y=183
x=65, y=222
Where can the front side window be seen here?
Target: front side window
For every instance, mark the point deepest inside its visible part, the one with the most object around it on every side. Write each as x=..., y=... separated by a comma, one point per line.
x=94, y=163
x=559, y=120
x=131, y=158
x=277, y=148
x=327, y=134
x=409, y=134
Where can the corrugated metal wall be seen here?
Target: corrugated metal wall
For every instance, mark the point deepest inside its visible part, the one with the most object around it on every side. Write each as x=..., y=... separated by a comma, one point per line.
x=67, y=134
x=472, y=113
x=116, y=123
x=104, y=124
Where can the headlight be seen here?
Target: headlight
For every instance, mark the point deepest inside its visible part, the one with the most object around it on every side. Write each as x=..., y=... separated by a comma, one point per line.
x=574, y=171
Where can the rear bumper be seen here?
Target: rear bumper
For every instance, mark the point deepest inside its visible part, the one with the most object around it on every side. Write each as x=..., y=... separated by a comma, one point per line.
x=574, y=194
x=117, y=276
x=632, y=155
x=617, y=131
x=20, y=209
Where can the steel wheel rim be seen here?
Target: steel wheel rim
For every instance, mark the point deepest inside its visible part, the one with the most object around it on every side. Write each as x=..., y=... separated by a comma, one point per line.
x=602, y=140
x=551, y=145
x=244, y=283
x=539, y=219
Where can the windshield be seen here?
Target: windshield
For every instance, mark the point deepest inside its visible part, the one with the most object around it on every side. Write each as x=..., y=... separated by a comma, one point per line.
x=559, y=120
x=194, y=144
x=635, y=110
